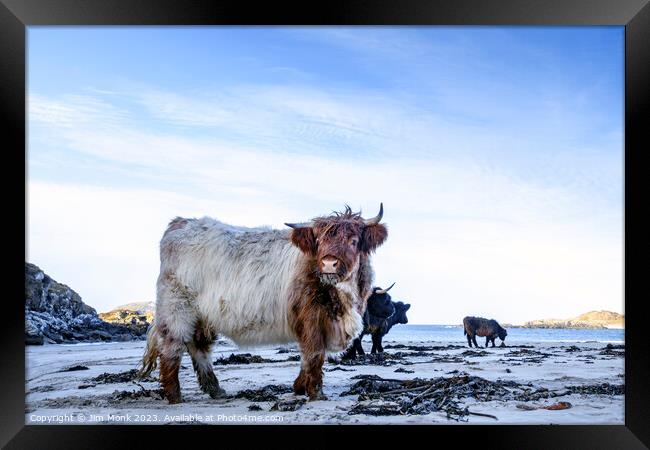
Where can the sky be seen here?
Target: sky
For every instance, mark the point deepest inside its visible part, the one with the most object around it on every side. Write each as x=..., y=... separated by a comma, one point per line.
x=496, y=151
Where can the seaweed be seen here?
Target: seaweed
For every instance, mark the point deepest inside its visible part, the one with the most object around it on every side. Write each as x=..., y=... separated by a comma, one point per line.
x=289, y=404
x=241, y=358
x=268, y=393
x=379, y=396
x=74, y=368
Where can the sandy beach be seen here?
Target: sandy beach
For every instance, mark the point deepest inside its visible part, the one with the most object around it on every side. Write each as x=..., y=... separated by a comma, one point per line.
x=527, y=383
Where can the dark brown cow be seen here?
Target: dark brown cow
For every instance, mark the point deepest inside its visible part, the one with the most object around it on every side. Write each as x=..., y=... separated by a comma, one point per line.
x=478, y=326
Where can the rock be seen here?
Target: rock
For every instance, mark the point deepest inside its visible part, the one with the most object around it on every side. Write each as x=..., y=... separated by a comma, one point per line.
x=34, y=339
x=55, y=314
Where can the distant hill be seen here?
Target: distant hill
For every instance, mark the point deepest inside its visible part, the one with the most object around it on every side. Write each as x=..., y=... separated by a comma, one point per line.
x=140, y=307
x=591, y=319
x=134, y=314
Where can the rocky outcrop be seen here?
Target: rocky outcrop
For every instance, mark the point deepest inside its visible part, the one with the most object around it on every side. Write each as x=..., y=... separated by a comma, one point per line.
x=137, y=315
x=54, y=313
x=590, y=320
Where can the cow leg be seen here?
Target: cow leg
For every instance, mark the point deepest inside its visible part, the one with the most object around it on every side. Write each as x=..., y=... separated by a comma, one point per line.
x=171, y=352
x=493, y=339
x=376, y=343
x=351, y=352
x=358, y=346
x=310, y=378
x=379, y=346
x=469, y=340
x=199, y=350
x=487, y=341
x=474, y=339
x=312, y=355
x=177, y=321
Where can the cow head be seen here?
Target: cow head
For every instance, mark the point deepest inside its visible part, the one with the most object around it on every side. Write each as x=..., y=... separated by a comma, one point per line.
x=380, y=303
x=502, y=333
x=400, y=312
x=336, y=242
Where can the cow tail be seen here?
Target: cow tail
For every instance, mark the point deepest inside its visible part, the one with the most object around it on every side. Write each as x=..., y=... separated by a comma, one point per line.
x=150, y=357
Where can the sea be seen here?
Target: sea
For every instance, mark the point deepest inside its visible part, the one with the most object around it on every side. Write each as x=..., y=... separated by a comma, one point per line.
x=454, y=333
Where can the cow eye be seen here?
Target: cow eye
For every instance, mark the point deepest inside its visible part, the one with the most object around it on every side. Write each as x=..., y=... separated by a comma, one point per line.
x=354, y=241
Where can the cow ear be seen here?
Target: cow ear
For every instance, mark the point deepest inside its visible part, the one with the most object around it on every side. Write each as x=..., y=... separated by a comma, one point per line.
x=408, y=306
x=373, y=236
x=304, y=239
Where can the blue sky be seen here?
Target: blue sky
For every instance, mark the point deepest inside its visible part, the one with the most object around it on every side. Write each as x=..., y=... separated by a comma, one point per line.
x=497, y=152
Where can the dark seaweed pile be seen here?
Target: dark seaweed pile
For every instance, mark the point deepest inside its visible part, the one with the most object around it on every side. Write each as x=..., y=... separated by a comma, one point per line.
x=378, y=359
x=380, y=396
x=268, y=393
x=247, y=358
x=74, y=368
x=241, y=358
x=598, y=389
x=120, y=377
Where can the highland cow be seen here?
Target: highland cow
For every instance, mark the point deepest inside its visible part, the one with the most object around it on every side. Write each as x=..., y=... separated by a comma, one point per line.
x=380, y=316
x=478, y=326
x=260, y=286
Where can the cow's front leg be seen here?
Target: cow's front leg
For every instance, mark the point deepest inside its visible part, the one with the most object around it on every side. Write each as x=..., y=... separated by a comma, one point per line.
x=350, y=353
x=300, y=383
x=359, y=347
x=376, y=343
x=487, y=341
x=312, y=357
x=314, y=375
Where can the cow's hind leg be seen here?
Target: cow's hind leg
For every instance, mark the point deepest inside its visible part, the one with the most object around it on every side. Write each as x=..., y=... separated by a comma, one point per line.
x=474, y=340
x=199, y=350
x=171, y=352
x=487, y=341
x=177, y=319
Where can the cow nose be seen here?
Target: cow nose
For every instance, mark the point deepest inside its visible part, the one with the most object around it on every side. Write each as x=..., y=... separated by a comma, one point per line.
x=329, y=265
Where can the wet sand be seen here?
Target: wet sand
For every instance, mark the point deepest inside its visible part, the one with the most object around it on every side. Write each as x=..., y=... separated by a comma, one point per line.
x=414, y=383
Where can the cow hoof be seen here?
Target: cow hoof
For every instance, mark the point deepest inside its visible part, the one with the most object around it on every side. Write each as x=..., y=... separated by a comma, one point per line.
x=318, y=396
x=174, y=400
x=217, y=393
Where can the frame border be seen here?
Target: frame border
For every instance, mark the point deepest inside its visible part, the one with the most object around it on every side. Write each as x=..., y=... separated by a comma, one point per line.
x=16, y=15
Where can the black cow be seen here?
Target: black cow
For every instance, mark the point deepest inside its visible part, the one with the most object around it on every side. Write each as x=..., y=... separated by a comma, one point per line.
x=380, y=316
x=478, y=326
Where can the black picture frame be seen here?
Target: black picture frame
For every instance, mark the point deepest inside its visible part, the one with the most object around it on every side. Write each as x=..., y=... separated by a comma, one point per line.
x=16, y=15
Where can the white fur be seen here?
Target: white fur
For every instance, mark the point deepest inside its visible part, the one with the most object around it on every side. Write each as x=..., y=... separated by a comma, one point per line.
x=237, y=277
x=237, y=280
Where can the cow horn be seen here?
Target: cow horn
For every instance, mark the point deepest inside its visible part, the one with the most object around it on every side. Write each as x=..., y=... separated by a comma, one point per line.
x=383, y=291
x=295, y=226
x=375, y=220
